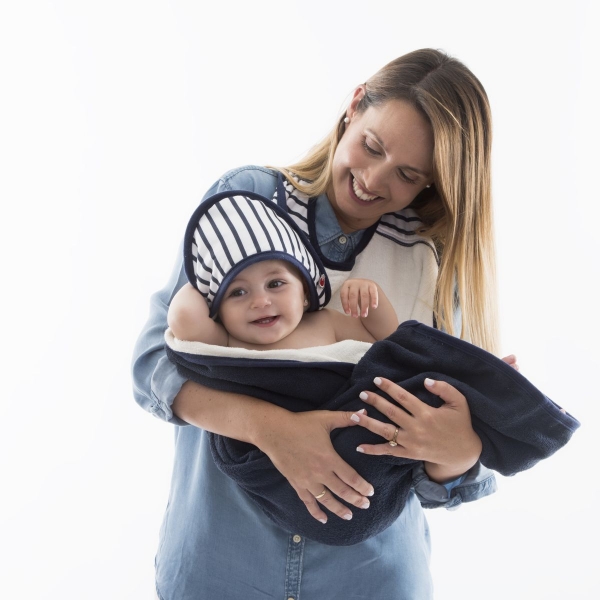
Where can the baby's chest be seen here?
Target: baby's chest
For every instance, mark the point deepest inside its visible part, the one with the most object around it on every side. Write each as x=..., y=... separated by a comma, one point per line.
x=314, y=330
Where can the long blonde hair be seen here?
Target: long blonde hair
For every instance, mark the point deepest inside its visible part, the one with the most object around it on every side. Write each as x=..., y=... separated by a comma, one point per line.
x=457, y=209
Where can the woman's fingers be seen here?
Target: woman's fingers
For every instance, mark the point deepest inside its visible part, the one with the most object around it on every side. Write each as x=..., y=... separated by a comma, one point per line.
x=511, y=360
x=393, y=411
x=448, y=393
x=385, y=430
x=303, y=453
x=311, y=505
x=441, y=437
x=329, y=494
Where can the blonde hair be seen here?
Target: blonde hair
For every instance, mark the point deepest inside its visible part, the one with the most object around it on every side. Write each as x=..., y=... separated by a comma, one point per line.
x=457, y=209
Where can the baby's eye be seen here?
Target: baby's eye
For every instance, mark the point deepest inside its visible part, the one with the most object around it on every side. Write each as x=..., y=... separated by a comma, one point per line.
x=276, y=283
x=236, y=293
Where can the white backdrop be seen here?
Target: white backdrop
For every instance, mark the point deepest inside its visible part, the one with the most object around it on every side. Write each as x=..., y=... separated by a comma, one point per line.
x=115, y=116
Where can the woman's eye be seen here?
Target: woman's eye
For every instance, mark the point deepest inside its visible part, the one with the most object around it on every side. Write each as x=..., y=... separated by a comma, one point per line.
x=370, y=149
x=405, y=177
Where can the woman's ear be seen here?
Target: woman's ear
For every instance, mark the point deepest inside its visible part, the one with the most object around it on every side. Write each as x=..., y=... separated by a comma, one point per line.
x=359, y=94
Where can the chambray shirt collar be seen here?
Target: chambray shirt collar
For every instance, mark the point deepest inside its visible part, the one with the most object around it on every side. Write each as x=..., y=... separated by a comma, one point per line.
x=333, y=242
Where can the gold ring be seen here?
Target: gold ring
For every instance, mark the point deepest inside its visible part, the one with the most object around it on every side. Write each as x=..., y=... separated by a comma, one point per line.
x=393, y=441
x=321, y=494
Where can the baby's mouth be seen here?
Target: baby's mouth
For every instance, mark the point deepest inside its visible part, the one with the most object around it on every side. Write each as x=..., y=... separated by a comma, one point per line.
x=266, y=320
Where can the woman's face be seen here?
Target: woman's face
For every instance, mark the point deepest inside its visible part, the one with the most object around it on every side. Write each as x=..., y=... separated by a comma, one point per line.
x=382, y=162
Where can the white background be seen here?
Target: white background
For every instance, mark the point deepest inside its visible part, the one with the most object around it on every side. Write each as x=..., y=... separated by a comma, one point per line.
x=115, y=117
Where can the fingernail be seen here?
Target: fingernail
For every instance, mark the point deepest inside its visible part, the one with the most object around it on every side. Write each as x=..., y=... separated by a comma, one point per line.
x=363, y=396
x=348, y=517
x=362, y=411
x=359, y=449
x=377, y=381
x=371, y=492
x=366, y=504
x=355, y=418
x=429, y=382
x=323, y=521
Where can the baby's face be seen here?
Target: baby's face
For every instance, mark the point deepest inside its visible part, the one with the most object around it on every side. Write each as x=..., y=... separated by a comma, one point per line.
x=264, y=303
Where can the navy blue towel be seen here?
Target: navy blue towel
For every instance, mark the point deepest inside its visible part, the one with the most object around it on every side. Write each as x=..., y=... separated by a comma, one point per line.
x=518, y=425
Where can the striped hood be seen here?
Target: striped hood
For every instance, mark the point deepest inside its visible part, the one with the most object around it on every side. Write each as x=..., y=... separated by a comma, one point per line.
x=232, y=230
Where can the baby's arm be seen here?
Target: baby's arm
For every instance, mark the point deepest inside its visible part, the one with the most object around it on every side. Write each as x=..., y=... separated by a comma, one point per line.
x=188, y=318
x=367, y=308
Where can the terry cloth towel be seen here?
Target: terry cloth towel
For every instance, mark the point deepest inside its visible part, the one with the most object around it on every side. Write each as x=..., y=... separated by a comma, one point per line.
x=518, y=425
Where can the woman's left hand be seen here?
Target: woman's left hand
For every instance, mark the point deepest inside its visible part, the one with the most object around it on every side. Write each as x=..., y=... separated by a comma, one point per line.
x=442, y=438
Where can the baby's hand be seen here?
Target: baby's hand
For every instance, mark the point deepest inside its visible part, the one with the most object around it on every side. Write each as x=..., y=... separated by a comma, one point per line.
x=357, y=295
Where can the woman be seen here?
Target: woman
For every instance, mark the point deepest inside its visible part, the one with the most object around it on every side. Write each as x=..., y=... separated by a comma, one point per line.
x=415, y=134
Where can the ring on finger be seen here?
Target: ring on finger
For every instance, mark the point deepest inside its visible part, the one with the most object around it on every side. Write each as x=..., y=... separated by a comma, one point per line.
x=321, y=494
x=393, y=441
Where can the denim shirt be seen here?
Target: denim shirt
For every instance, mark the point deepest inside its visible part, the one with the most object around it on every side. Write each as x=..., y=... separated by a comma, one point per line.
x=215, y=543
x=336, y=245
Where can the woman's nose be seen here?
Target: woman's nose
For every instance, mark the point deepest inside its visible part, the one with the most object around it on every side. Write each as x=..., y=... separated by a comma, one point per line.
x=374, y=179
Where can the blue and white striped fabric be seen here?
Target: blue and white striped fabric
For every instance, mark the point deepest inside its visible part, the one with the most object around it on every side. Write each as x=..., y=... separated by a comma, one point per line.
x=233, y=230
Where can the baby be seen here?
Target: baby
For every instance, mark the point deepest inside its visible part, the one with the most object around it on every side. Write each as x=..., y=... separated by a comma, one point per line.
x=260, y=285
x=265, y=308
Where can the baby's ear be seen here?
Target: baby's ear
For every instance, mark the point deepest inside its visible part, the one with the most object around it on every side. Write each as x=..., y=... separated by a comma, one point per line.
x=306, y=303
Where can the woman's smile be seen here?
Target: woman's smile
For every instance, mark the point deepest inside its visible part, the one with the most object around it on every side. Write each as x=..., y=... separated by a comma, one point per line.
x=358, y=193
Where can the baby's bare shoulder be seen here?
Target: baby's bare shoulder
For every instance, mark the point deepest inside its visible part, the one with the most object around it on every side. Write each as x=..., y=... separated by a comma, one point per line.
x=319, y=326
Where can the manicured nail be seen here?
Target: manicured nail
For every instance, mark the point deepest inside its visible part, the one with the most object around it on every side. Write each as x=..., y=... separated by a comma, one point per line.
x=371, y=492
x=323, y=521
x=362, y=411
x=429, y=382
x=359, y=449
x=348, y=517
x=355, y=418
x=366, y=504
x=377, y=381
x=363, y=396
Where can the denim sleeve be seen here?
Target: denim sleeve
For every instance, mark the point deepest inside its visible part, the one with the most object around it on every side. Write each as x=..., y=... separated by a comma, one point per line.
x=156, y=381
x=476, y=483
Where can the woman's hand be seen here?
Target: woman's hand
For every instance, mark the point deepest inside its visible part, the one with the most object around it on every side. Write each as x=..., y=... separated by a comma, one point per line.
x=441, y=437
x=299, y=445
x=511, y=360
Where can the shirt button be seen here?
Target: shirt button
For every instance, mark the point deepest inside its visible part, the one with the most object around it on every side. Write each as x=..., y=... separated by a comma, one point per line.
x=297, y=539
x=342, y=239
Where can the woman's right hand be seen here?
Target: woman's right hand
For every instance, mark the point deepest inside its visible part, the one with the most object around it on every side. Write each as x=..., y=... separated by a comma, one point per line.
x=299, y=445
